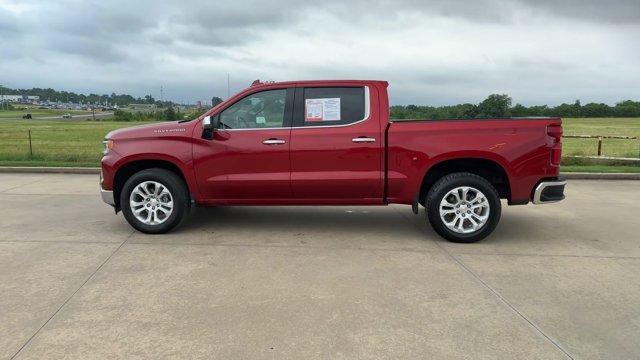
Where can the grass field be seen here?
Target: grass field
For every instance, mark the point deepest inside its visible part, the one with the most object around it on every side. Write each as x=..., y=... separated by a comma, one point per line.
x=54, y=143
x=602, y=127
x=78, y=143
x=601, y=168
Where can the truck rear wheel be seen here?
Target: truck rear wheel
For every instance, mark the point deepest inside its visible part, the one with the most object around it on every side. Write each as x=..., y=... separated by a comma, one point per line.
x=154, y=201
x=463, y=207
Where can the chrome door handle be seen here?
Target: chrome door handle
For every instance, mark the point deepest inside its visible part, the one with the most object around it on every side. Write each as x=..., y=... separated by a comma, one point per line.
x=273, y=142
x=363, y=139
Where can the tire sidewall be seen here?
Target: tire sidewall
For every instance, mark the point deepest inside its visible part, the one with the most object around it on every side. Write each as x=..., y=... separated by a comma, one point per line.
x=446, y=184
x=172, y=183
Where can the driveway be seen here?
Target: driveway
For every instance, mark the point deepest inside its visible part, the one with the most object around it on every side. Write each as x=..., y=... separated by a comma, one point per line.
x=553, y=281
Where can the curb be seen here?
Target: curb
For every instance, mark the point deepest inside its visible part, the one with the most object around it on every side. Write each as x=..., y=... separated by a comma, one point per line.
x=49, y=170
x=90, y=170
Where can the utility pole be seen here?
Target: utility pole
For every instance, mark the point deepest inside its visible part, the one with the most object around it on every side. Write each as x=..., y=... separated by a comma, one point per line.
x=228, y=87
x=161, y=95
x=2, y=96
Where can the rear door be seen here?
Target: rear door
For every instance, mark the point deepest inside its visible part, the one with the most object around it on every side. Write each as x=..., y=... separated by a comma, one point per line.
x=247, y=161
x=336, y=149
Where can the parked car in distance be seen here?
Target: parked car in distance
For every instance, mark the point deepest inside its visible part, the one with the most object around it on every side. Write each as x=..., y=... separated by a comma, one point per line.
x=27, y=116
x=66, y=116
x=331, y=143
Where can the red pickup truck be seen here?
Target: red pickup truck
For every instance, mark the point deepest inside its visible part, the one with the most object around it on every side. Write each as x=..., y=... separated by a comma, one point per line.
x=331, y=143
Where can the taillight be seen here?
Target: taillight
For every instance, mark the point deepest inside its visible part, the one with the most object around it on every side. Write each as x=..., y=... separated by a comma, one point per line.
x=555, y=131
x=556, y=155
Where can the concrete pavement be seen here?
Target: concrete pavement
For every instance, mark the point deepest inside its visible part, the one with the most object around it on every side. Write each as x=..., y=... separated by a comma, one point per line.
x=554, y=281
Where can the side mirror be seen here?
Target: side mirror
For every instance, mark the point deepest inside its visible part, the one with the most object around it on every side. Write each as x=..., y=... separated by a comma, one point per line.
x=209, y=125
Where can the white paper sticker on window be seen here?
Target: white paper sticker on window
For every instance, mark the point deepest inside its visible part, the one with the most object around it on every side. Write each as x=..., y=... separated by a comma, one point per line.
x=322, y=109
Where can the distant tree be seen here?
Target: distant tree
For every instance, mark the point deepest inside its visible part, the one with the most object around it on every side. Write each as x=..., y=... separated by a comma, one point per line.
x=627, y=108
x=519, y=110
x=6, y=106
x=495, y=105
x=597, y=110
x=120, y=115
x=568, y=110
x=215, y=101
x=170, y=114
x=466, y=111
x=539, y=110
x=164, y=104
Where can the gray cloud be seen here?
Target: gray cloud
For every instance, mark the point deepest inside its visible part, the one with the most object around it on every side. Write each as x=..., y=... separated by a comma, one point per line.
x=8, y=23
x=603, y=11
x=432, y=52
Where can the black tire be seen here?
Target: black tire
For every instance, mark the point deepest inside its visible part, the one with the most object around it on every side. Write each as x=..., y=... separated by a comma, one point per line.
x=450, y=182
x=174, y=184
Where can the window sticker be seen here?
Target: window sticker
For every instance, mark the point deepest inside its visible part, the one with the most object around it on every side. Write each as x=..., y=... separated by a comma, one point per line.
x=261, y=120
x=327, y=109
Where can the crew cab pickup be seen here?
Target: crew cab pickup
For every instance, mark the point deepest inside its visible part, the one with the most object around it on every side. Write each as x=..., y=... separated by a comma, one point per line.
x=331, y=143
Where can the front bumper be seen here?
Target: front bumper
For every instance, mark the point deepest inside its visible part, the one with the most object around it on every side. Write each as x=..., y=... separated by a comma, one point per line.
x=107, y=196
x=549, y=191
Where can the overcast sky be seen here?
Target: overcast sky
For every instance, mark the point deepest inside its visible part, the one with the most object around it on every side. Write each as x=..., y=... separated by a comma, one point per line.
x=431, y=52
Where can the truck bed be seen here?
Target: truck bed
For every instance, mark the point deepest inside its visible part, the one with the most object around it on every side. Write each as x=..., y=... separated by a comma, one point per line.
x=519, y=145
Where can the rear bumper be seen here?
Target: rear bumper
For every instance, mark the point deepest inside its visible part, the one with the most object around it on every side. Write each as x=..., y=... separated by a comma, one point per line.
x=549, y=191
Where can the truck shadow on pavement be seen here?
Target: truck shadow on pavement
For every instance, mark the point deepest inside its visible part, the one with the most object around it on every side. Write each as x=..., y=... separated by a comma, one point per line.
x=330, y=226
x=372, y=227
x=291, y=218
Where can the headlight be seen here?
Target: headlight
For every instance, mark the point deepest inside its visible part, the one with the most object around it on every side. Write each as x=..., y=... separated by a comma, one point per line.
x=106, y=146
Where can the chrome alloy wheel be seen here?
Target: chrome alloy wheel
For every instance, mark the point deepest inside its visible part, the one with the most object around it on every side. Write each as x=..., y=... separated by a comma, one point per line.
x=151, y=203
x=464, y=210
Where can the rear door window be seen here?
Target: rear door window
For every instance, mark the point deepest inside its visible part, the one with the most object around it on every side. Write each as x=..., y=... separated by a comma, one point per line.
x=329, y=106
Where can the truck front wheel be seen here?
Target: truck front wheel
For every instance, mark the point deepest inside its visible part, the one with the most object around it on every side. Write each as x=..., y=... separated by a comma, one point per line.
x=154, y=201
x=463, y=207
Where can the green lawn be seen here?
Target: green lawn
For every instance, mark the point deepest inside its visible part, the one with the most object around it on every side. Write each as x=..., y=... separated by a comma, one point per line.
x=598, y=168
x=602, y=126
x=54, y=143
x=78, y=143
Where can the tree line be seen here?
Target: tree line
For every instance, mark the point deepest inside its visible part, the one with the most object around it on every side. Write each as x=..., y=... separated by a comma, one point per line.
x=52, y=95
x=495, y=105
x=500, y=105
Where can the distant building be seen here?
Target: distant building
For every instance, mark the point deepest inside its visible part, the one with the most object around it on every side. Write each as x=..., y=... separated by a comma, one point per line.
x=23, y=99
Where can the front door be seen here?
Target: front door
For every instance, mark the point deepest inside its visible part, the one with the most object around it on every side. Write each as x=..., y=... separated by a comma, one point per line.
x=247, y=160
x=336, y=146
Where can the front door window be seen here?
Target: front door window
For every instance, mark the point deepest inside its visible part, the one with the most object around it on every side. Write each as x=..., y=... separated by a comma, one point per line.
x=265, y=109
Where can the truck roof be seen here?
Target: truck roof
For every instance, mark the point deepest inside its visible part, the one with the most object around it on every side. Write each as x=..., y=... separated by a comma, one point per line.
x=318, y=82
